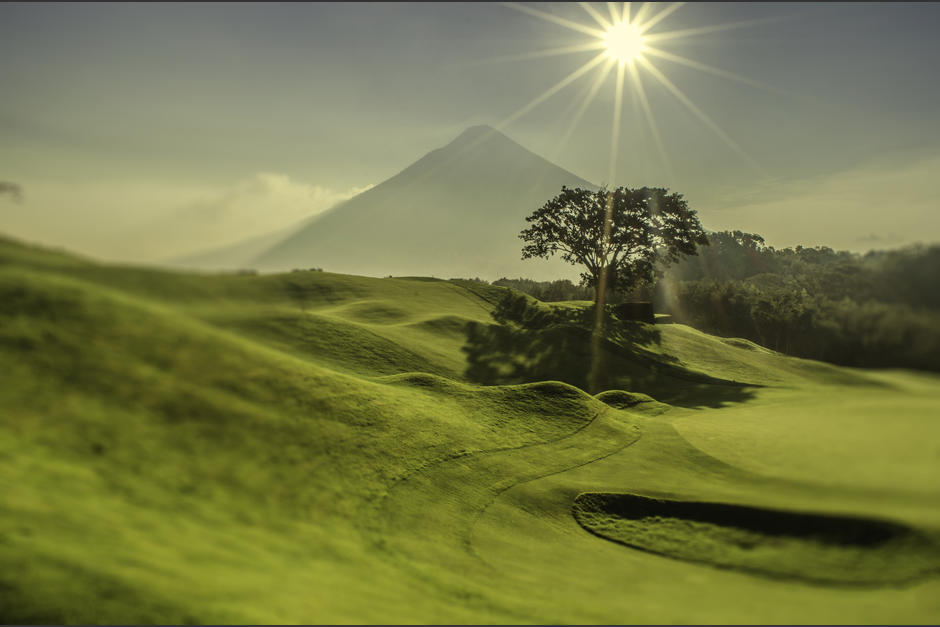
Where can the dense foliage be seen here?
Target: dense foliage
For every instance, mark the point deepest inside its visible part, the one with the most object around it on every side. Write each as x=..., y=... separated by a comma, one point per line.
x=619, y=237
x=907, y=276
x=881, y=309
x=548, y=291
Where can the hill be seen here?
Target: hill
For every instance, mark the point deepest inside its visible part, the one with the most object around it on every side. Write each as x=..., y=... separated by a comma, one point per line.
x=457, y=211
x=313, y=447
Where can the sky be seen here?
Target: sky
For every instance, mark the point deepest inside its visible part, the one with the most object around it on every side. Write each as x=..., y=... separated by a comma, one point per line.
x=139, y=132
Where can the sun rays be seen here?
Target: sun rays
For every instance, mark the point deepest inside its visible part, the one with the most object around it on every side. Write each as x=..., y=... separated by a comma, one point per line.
x=626, y=43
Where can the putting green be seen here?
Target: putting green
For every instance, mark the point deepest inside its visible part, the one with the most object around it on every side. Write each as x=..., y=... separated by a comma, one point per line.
x=530, y=537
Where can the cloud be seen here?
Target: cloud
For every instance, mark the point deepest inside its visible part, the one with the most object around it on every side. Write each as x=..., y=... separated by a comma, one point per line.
x=264, y=203
x=877, y=238
x=149, y=221
x=267, y=200
x=14, y=191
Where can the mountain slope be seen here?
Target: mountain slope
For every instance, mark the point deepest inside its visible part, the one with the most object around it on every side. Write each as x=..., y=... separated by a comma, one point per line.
x=457, y=211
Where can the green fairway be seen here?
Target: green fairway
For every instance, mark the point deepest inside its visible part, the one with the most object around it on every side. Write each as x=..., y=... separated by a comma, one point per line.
x=312, y=447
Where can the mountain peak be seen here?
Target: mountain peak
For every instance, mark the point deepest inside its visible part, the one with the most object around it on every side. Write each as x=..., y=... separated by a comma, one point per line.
x=476, y=134
x=476, y=131
x=456, y=211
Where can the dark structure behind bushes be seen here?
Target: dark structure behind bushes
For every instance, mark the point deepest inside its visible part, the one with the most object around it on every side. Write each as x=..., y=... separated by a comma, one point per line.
x=642, y=312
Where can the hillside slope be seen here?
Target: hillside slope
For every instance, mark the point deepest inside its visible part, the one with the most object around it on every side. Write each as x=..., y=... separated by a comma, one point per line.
x=455, y=212
x=184, y=448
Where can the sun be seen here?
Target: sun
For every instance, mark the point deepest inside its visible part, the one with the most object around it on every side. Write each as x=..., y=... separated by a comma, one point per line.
x=629, y=43
x=624, y=42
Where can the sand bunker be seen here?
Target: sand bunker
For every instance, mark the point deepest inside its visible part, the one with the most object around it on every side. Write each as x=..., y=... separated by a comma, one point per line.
x=775, y=543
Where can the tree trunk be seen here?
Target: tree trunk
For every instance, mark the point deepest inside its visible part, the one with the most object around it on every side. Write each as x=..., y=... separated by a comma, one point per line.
x=594, y=374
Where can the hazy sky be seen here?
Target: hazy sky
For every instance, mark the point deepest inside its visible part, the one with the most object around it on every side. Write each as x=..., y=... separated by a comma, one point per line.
x=141, y=131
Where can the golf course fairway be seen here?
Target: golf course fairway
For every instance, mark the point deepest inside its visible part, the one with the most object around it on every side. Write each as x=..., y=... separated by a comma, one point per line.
x=312, y=447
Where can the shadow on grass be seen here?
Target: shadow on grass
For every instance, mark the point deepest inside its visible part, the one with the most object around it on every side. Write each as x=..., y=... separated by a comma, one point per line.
x=534, y=342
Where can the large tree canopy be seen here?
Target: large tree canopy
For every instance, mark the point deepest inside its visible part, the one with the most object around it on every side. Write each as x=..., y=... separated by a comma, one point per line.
x=622, y=237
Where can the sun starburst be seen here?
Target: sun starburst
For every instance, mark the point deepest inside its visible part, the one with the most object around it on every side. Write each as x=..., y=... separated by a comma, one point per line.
x=629, y=44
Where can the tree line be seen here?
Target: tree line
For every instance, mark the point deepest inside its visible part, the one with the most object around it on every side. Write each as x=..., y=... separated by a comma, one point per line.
x=878, y=309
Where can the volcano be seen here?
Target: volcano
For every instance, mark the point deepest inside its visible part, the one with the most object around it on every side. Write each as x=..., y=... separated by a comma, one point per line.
x=456, y=212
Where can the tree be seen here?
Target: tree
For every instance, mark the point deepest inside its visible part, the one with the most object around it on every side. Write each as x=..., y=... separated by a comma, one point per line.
x=622, y=237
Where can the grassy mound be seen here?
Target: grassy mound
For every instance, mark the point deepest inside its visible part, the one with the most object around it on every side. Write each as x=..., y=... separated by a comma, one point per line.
x=237, y=448
x=635, y=401
x=126, y=420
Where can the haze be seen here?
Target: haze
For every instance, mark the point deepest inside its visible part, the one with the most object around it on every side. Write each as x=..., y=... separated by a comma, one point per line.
x=143, y=132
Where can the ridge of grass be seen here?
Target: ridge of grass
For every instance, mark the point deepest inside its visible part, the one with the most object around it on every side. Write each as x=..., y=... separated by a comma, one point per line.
x=196, y=448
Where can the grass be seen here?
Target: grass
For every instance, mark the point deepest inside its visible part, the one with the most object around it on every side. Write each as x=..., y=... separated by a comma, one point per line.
x=313, y=448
